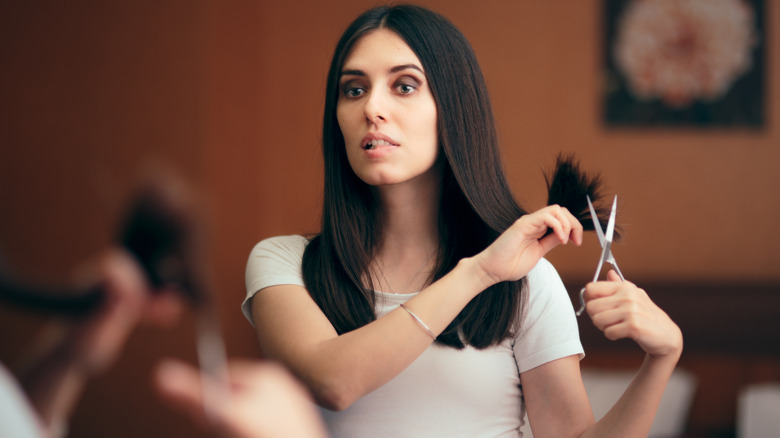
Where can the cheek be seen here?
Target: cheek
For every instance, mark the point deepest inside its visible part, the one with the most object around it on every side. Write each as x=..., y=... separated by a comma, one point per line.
x=340, y=119
x=344, y=127
x=431, y=128
x=347, y=126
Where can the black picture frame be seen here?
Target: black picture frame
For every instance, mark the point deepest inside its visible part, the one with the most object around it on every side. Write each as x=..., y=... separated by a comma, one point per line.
x=743, y=106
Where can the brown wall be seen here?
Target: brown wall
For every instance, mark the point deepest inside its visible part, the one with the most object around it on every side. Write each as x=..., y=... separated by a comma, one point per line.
x=230, y=95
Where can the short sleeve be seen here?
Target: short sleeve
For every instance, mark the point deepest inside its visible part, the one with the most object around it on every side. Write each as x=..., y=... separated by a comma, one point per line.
x=273, y=261
x=549, y=330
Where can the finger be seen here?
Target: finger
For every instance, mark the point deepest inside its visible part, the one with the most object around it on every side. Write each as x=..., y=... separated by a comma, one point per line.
x=571, y=226
x=561, y=217
x=630, y=325
x=545, y=221
x=269, y=401
x=598, y=305
x=606, y=318
x=612, y=275
x=243, y=368
x=576, y=228
x=264, y=377
x=549, y=242
x=571, y=229
x=604, y=295
x=123, y=274
x=617, y=331
x=619, y=316
x=180, y=383
x=99, y=340
x=600, y=289
x=554, y=219
x=163, y=308
x=625, y=321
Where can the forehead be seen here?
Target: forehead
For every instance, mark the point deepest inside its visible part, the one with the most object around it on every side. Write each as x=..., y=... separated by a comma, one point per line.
x=381, y=47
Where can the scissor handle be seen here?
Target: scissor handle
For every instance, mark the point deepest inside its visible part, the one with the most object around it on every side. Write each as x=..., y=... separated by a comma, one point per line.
x=582, y=302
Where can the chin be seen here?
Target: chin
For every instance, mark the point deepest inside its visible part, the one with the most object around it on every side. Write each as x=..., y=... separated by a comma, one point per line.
x=375, y=177
x=375, y=181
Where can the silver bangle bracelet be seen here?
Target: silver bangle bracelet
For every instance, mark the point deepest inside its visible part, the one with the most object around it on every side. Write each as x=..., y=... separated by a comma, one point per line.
x=419, y=322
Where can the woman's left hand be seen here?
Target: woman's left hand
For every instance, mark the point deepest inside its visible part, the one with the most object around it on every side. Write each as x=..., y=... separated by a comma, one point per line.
x=622, y=310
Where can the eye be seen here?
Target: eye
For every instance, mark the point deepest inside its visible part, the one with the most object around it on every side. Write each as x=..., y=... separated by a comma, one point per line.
x=407, y=86
x=351, y=92
x=352, y=88
x=406, y=89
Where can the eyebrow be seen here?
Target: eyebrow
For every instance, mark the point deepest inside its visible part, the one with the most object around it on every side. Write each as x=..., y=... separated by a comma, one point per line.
x=395, y=69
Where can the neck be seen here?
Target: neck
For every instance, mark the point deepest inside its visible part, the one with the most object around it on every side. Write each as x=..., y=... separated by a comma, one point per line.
x=409, y=236
x=410, y=215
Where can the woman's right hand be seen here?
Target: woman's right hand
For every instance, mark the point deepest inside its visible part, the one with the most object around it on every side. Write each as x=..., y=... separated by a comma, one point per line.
x=520, y=247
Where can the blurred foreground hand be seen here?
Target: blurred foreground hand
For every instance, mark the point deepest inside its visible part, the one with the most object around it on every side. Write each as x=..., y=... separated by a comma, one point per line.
x=265, y=400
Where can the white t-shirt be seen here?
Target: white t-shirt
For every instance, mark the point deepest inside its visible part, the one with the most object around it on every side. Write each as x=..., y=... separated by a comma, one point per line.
x=17, y=417
x=445, y=392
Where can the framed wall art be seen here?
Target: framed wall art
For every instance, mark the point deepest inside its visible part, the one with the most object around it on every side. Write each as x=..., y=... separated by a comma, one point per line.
x=687, y=63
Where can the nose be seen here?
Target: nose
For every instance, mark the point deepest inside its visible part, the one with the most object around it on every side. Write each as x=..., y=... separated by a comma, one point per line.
x=375, y=107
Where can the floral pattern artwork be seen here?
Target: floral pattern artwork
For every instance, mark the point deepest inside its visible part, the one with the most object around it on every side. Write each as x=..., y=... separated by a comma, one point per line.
x=684, y=62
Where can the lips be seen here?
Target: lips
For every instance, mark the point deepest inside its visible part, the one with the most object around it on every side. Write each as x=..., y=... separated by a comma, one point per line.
x=374, y=141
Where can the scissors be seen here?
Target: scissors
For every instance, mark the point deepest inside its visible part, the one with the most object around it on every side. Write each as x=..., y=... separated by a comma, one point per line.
x=606, y=245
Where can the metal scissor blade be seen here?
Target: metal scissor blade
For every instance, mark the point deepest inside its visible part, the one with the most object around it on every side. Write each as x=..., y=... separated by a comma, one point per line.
x=606, y=246
x=605, y=253
x=604, y=241
x=604, y=258
x=608, y=239
x=611, y=223
x=596, y=223
x=212, y=359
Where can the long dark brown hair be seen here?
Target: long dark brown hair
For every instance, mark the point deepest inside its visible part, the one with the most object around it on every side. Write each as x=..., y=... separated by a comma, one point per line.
x=476, y=204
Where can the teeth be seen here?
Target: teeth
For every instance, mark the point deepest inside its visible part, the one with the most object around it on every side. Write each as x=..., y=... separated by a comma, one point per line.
x=374, y=143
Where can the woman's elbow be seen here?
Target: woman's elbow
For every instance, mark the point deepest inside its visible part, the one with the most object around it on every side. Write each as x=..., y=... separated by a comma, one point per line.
x=335, y=397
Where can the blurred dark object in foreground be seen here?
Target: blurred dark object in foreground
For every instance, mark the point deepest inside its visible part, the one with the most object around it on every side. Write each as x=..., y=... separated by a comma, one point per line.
x=161, y=229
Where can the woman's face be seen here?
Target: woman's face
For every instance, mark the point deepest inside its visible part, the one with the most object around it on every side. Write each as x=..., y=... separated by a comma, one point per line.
x=386, y=112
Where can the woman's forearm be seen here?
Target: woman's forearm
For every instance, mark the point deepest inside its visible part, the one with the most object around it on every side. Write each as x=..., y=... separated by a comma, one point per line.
x=633, y=414
x=341, y=369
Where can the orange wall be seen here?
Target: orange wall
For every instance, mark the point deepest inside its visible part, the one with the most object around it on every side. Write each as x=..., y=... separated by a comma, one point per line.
x=230, y=96
x=92, y=95
x=697, y=204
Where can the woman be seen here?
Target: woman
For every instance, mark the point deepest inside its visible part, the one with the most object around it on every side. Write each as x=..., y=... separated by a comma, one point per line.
x=425, y=307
